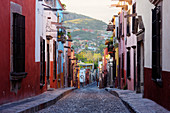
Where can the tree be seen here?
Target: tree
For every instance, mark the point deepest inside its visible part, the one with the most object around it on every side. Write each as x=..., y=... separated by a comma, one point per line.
x=86, y=47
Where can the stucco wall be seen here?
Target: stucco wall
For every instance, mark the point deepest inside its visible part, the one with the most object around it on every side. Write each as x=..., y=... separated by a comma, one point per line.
x=143, y=8
x=145, y=11
x=43, y=28
x=166, y=36
x=30, y=85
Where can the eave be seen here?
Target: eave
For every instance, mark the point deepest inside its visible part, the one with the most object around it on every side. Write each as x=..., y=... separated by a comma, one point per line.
x=155, y=2
x=125, y=7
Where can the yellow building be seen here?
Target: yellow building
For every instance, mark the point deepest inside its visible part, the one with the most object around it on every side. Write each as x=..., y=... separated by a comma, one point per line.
x=117, y=60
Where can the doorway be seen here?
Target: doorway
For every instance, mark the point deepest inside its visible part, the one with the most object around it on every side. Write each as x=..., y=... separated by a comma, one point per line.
x=140, y=67
x=48, y=64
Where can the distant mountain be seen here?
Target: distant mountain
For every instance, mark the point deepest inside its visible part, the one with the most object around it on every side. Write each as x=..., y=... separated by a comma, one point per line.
x=72, y=16
x=86, y=31
x=79, y=21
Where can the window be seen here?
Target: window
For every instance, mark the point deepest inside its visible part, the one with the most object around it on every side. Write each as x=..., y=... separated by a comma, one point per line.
x=42, y=61
x=18, y=43
x=156, y=44
x=17, y=47
x=117, y=32
x=134, y=22
x=54, y=60
x=114, y=69
x=120, y=29
x=59, y=64
x=48, y=62
x=128, y=25
x=128, y=64
x=122, y=65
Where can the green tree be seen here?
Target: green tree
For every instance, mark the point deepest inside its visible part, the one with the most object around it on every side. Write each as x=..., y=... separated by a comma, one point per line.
x=86, y=47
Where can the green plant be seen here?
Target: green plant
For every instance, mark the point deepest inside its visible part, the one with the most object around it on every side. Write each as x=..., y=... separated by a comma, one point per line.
x=64, y=5
x=69, y=35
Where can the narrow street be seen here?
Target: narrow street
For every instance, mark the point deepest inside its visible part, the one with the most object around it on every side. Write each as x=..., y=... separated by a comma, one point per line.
x=88, y=100
x=85, y=56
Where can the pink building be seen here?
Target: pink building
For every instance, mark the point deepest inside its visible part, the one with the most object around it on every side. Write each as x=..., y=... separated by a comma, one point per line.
x=122, y=49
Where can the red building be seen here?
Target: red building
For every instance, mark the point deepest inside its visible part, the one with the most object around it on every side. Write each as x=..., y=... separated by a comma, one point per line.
x=20, y=74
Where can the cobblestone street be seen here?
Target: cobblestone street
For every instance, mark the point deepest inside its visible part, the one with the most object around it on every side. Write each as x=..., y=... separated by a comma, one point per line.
x=88, y=100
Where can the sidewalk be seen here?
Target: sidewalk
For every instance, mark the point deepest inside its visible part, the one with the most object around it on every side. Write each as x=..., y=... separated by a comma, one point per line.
x=36, y=103
x=135, y=103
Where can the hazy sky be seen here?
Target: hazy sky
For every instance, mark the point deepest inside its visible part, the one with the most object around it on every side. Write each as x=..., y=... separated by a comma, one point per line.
x=99, y=9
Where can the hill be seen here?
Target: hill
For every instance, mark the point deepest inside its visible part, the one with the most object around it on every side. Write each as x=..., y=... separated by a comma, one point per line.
x=87, y=33
x=79, y=21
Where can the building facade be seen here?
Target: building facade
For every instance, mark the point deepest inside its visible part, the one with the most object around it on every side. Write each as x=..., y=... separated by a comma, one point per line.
x=143, y=48
x=19, y=71
x=155, y=18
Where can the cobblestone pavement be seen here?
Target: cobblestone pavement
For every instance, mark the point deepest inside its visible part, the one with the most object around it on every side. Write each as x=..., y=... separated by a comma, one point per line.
x=88, y=100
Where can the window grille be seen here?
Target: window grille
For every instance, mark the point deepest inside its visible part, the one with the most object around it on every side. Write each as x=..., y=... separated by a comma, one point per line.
x=18, y=43
x=156, y=40
x=42, y=61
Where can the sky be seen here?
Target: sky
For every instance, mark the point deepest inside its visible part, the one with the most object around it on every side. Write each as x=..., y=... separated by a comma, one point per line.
x=98, y=9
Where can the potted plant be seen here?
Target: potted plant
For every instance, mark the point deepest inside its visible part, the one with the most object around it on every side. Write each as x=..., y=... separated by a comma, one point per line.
x=60, y=35
x=69, y=37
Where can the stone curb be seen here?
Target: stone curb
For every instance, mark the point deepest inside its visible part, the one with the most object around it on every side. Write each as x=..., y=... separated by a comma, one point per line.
x=135, y=103
x=43, y=103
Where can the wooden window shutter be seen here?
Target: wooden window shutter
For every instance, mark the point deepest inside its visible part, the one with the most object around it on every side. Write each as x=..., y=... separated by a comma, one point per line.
x=18, y=42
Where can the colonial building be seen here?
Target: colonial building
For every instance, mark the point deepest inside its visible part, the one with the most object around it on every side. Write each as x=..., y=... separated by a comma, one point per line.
x=20, y=73
x=49, y=47
x=155, y=42
x=143, y=48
